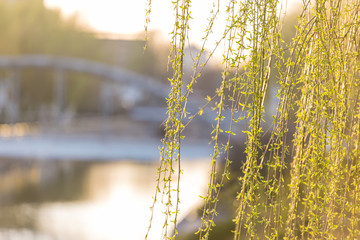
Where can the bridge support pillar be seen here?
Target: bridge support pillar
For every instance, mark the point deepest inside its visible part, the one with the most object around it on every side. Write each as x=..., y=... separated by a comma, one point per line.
x=106, y=106
x=59, y=94
x=106, y=96
x=14, y=104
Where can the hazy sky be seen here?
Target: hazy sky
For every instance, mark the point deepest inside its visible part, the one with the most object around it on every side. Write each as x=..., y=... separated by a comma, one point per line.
x=128, y=16
x=123, y=16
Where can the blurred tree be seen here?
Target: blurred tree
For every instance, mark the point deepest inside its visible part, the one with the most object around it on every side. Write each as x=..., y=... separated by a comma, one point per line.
x=28, y=27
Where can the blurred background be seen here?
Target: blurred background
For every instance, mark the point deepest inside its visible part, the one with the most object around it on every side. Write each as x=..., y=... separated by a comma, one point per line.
x=81, y=107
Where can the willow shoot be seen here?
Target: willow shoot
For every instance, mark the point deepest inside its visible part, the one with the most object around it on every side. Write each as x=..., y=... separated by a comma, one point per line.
x=304, y=182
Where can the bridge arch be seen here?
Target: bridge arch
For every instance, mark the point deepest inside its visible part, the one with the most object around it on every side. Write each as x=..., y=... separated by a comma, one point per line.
x=111, y=76
x=108, y=72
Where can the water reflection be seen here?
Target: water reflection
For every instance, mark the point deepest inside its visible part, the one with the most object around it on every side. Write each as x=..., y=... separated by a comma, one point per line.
x=86, y=200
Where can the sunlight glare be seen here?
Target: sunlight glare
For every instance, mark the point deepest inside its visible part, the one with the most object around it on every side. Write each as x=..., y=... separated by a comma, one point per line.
x=106, y=16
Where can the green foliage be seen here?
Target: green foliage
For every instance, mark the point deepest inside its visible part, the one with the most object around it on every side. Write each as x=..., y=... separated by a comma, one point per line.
x=27, y=27
x=315, y=195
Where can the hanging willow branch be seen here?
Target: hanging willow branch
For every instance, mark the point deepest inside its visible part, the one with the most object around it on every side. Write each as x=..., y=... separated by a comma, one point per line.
x=303, y=185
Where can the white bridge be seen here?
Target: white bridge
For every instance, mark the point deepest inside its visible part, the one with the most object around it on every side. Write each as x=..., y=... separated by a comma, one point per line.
x=110, y=76
x=114, y=137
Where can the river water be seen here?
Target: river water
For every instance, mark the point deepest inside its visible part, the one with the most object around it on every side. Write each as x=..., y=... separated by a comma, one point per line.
x=87, y=200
